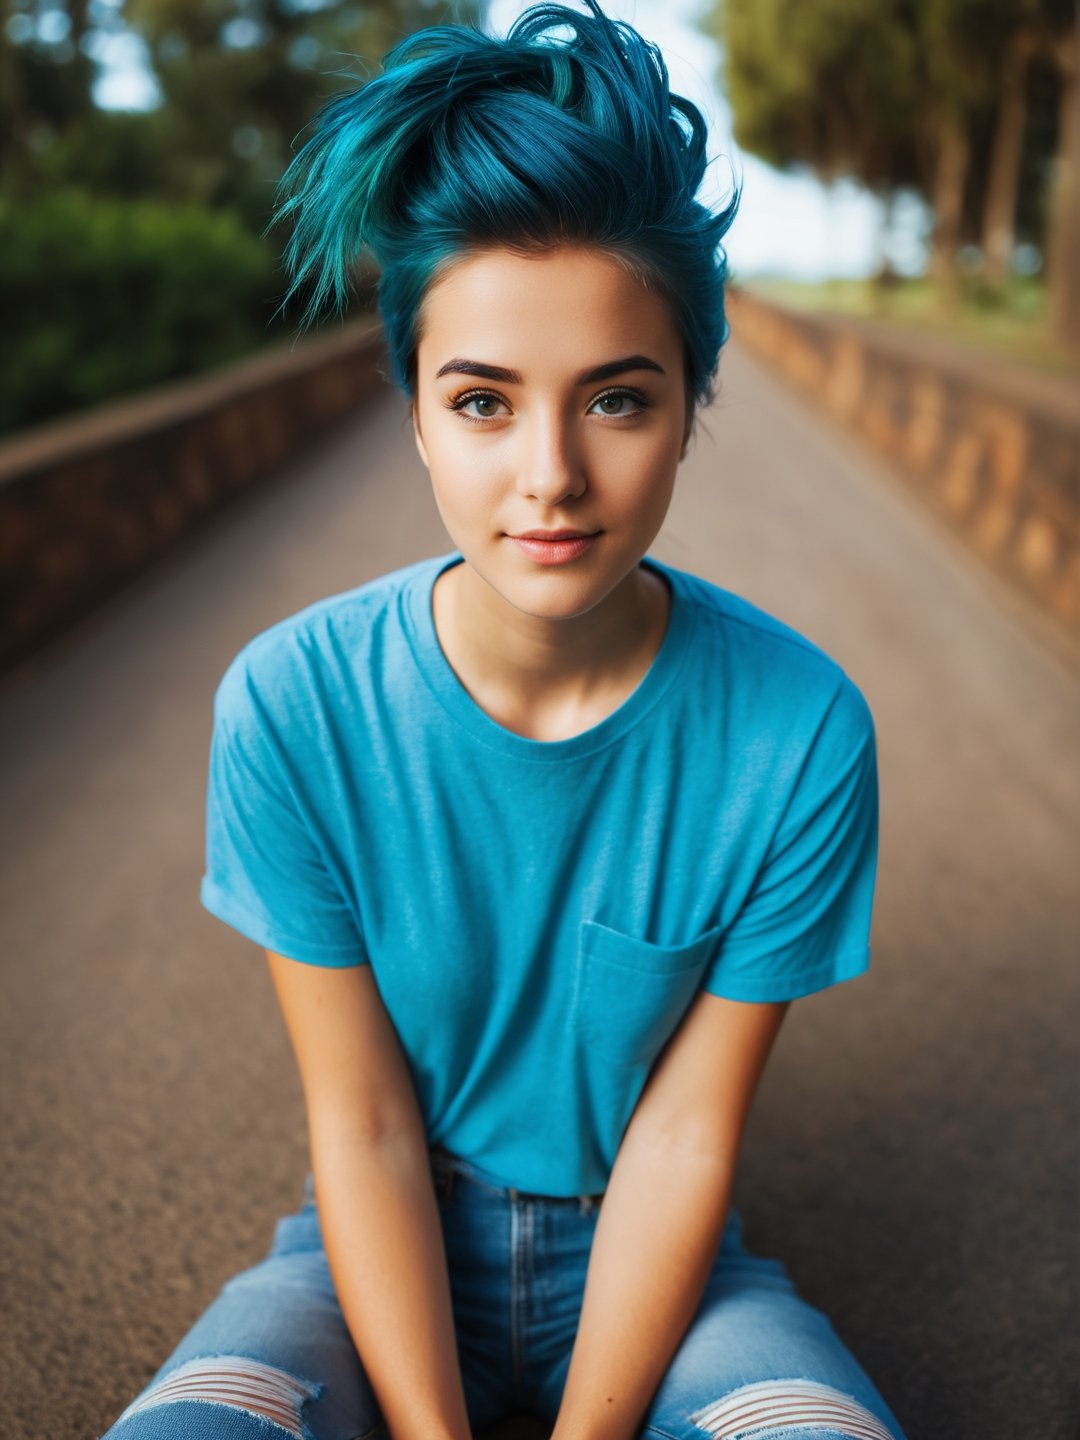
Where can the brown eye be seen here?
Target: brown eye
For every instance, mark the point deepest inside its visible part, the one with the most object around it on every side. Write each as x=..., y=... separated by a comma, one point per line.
x=615, y=398
x=476, y=397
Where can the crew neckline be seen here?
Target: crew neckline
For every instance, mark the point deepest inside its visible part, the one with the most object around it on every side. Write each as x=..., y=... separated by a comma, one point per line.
x=442, y=679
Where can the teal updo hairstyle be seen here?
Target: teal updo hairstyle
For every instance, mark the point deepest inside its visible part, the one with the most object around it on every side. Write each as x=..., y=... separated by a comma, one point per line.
x=466, y=142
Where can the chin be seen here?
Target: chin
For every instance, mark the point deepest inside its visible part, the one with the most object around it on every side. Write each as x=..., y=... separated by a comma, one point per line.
x=557, y=595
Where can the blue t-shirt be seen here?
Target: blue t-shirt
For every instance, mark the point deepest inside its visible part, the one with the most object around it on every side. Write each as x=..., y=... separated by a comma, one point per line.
x=539, y=914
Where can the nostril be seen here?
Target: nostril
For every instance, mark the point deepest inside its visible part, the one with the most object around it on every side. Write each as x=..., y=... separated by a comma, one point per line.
x=232, y=1380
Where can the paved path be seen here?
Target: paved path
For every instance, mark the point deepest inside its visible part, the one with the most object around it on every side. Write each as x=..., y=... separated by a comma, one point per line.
x=912, y=1155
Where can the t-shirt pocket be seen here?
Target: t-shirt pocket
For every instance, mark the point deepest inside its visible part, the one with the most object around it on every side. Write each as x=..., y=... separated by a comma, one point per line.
x=632, y=993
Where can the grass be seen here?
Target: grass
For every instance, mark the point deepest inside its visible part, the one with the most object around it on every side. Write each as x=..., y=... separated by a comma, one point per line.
x=1013, y=323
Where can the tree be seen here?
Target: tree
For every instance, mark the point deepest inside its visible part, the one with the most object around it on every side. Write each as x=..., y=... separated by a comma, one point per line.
x=1064, y=234
x=931, y=95
x=133, y=247
x=239, y=79
x=46, y=76
x=832, y=85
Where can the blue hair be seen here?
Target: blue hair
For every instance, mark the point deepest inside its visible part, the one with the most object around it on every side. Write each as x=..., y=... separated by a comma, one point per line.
x=467, y=142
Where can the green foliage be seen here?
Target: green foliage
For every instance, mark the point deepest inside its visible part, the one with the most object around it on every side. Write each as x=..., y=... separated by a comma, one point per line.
x=131, y=247
x=242, y=78
x=933, y=97
x=860, y=88
x=831, y=85
x=110, y=296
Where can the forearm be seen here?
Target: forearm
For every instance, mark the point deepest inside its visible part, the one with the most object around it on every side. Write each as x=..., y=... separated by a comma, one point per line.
x=656, y=1238
x=383, y=1240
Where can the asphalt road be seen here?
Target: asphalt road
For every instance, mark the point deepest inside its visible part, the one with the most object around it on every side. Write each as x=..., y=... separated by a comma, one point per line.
x=912, y=1155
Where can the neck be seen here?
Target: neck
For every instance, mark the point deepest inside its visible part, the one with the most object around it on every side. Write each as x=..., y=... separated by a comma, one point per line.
x=533, y=672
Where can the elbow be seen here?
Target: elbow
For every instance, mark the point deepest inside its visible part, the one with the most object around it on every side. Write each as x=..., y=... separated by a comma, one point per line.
x=336, y=1132
x=694, y=1143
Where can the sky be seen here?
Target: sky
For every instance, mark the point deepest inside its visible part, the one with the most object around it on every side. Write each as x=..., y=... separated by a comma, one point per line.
x=788, y=225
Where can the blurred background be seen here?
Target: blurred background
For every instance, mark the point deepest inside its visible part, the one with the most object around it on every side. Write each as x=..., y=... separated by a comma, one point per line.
x=141, y=143
x=892, y=467
x=909, y=161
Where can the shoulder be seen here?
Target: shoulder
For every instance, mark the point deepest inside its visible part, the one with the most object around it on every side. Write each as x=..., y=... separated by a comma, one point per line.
x=769, y=678
x=315, y=655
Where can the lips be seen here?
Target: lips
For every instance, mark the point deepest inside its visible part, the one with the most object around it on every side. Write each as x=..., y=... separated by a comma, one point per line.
x=565, y=547
x=554, y=534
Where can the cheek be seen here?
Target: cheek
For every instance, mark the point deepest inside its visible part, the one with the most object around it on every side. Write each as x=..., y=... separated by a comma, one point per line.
x=464, y=483
x=645, y=476
x=651, y=497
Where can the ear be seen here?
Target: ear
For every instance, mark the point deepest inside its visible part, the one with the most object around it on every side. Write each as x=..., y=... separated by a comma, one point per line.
x=421, y=450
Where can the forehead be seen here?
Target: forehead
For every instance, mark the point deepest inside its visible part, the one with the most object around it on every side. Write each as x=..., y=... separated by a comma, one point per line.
x=569, y=305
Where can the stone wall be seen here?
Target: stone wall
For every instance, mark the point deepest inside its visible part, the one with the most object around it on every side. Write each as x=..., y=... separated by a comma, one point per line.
x=89, y=501
x=998, y=461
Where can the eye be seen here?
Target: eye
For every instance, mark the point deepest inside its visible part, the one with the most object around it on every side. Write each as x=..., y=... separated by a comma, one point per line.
x=475, y=397
x=639, y=400
x=486, y=398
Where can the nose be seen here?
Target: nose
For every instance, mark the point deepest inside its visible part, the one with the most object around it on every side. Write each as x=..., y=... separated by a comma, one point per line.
x=550, y=467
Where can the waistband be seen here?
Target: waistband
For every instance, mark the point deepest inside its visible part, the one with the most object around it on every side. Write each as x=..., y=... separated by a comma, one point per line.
x=448, y=1167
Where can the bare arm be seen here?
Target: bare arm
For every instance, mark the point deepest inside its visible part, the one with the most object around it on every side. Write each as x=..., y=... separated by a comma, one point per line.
x=377, y=1207
x=666, y=1205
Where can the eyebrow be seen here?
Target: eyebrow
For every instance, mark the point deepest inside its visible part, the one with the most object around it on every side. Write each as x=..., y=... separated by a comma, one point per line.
x=459, y=366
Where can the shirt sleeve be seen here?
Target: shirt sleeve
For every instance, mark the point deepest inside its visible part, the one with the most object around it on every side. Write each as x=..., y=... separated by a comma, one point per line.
x=805, y=924
x=265, y=874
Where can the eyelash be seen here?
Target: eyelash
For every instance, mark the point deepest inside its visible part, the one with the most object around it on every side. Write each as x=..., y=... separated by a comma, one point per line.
x=458, y=402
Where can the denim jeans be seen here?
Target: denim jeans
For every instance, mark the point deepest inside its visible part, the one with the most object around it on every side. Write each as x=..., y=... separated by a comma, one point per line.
x=272, y=1357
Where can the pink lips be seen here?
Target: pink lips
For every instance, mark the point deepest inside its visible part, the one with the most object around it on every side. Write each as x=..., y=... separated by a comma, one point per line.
x=554, y=552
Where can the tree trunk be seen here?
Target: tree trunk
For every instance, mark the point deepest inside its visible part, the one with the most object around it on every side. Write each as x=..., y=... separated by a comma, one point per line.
x=1003, y=184
x=883, y=277
x=950, y=174
x=1063, y=244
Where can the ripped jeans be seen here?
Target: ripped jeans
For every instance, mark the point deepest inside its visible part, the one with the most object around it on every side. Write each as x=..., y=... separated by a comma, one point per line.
x=272, y=1358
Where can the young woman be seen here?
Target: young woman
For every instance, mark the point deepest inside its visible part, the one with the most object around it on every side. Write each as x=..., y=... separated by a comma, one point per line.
x=541, y=836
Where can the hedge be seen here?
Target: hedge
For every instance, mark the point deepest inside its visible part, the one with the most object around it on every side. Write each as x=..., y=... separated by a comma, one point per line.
x=102, y=297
